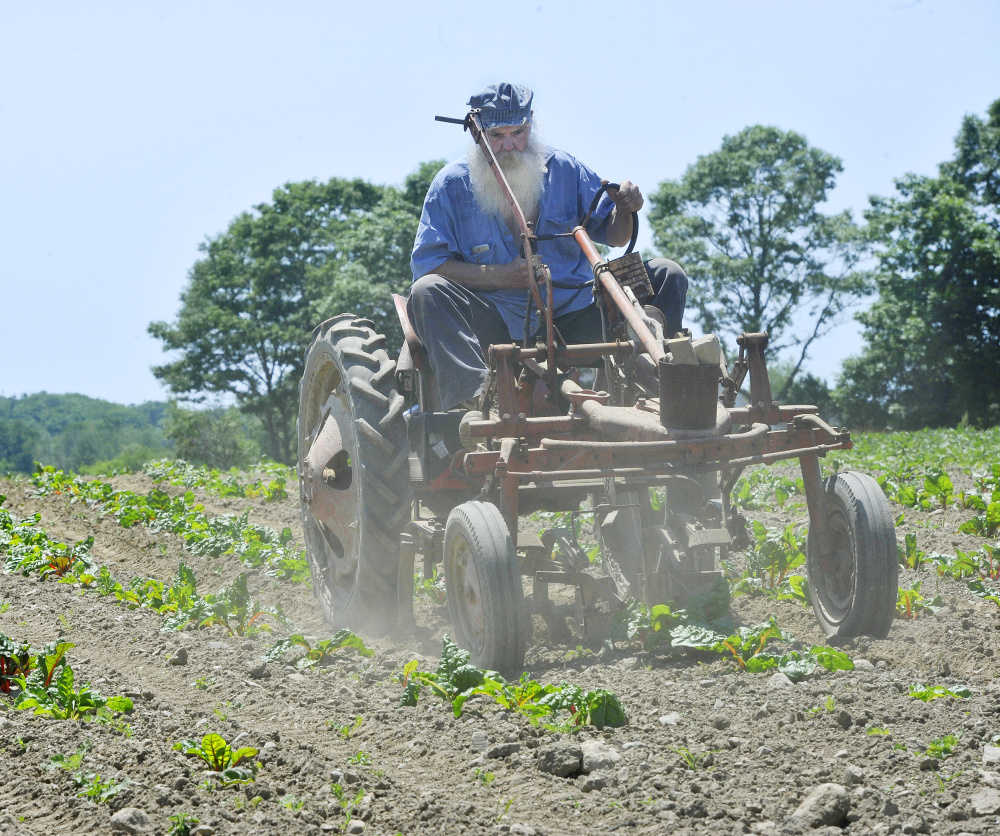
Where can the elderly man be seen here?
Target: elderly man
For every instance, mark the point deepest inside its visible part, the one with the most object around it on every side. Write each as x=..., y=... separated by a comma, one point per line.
x=470, y=283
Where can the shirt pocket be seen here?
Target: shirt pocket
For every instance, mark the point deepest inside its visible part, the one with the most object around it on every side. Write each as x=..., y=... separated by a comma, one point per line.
x=479, y=253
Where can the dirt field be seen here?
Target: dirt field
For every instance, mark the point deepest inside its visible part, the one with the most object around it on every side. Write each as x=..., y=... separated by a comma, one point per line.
x=707, y=748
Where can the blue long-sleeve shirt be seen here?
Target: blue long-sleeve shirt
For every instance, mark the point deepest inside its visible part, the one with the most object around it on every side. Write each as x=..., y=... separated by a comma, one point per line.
x=453, y=226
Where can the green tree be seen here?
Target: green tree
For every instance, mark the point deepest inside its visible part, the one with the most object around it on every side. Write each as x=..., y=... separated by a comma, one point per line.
x=217, y=438
x=19, y=444
x=932, y=354
x=744, y=223
x=251, y=302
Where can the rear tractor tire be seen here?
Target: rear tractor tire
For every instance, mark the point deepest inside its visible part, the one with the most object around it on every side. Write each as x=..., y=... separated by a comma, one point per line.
x=354, y=559
x=854, y=586
x=483, y=585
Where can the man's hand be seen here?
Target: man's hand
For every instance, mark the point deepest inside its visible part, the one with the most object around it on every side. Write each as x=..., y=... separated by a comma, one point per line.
x=627, y=199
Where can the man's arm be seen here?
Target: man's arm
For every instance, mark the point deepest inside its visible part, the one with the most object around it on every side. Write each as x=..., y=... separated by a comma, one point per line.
x=485, y=276
x=627, y=199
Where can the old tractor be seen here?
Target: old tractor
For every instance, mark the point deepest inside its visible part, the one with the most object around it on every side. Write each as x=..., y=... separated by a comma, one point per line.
x=386, y=477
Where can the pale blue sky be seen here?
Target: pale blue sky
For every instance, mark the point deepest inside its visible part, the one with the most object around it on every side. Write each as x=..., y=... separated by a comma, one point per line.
x=131, y=131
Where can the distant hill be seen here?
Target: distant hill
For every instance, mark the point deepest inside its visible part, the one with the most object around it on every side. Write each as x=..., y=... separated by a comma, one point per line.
x=74, y=431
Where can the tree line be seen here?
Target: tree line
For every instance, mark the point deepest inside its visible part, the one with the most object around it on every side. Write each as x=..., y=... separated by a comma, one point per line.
x=89, y=435
x=745, y=221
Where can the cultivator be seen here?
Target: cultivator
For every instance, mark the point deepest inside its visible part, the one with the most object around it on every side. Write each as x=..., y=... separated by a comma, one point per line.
x=386, y=479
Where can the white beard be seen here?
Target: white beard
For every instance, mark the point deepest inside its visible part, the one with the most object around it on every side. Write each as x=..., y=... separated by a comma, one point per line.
x=525, y=172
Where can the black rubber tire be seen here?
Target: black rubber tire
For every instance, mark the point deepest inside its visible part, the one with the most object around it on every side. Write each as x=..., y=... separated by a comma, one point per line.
x=347, y=365
x=483, y=582
x=855, y=593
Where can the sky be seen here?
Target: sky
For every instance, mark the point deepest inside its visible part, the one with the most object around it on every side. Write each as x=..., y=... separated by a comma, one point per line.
x=132, y=132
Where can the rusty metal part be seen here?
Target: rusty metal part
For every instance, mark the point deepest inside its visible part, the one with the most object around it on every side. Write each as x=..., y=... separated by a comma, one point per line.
x=321, y=490
x=812, y=481
x=630, y=272
x=606, y=280
x=780, y=415
x=535, y=270
x=404, y=583
x=752, y=350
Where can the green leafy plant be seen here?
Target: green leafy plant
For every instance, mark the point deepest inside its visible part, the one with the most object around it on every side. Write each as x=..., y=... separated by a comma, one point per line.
x=927, y=693
x=93, y=787
x=691, y=760
x=984, y=525
x=69, y=762
x=221, y=757
x=910, y=603
x=322, y=652
x=181, y=824
x=456, y=680
x=345, y=730
x=483, y=776
x=348, y=806
x=432, y=587
x=15, y=661
x=772, y=557
x=233, y=608
x=978, y=588
x=747, y=648
x=28, y=549
x=648, y=625
x=361, y=757
x=60, y=701
x=179, y=472
x=942, y=747
x=910, y=557
x=938, y=486
x=48, y=689
x=763, y=488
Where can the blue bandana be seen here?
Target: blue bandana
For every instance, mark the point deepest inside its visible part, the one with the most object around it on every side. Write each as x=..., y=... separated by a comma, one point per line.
x=503, y=104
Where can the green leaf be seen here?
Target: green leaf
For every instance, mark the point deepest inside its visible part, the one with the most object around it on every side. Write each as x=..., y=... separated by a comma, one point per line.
x=119, y=704
x=217, y=752
x=605, y=709
x=690, y=635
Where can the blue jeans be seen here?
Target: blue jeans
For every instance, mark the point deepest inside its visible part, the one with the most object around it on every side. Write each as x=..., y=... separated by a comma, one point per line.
x=457, y=325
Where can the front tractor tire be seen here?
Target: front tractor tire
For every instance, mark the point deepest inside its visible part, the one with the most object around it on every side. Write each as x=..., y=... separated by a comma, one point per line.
x=854, y=584
x=483, y=584
x=354, y=553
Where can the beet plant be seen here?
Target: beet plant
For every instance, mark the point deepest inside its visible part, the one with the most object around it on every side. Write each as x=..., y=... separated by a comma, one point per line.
x=910, y=603
x=15, y=661
x=221, y=757
x=456, y=680
x=322, y=652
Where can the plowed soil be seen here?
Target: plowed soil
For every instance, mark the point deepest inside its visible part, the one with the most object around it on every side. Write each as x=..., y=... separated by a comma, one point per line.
x=707, y=749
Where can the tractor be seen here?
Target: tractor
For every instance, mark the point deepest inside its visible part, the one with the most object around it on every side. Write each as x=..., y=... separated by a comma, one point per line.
x=386, y=476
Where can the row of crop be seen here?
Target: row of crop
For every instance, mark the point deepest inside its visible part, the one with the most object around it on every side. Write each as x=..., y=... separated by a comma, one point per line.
x=179, y=473
x=965, y=448
x=912, y=488
x=253, y=545
x=235, y=610
x=45, y=681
